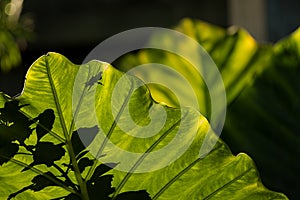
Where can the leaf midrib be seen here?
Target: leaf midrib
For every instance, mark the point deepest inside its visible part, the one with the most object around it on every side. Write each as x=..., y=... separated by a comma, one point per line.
x=79, y=179
x=56, y=100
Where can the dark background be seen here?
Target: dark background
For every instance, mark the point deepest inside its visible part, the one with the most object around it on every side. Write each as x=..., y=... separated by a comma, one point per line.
x=74, y=28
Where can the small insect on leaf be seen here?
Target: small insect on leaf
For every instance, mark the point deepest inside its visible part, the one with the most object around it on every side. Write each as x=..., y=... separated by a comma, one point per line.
x=95, y=79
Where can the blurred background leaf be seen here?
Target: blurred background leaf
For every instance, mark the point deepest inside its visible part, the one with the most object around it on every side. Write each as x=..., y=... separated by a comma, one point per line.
x=15, y=30
x=234, y=51
x=264, y=120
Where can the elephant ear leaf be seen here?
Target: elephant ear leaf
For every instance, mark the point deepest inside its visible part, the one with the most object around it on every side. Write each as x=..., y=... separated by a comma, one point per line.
x=177, y=172
x=270, y=129
x=236, y=54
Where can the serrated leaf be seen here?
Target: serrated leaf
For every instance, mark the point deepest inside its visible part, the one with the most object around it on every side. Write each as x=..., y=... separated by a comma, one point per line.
x=100, y=188
x=88, y=134
x=83, y=163
x=102, y=169
x=80, y=155
x=46, y=153
x=13, y=124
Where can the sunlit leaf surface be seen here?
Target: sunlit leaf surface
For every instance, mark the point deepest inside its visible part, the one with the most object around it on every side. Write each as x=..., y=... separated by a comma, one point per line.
x=49, y=89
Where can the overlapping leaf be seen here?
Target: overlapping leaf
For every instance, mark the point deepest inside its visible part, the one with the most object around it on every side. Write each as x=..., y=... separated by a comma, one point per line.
x=263, y=119
x=267, y=114
x=49, y=85
x=236, y=54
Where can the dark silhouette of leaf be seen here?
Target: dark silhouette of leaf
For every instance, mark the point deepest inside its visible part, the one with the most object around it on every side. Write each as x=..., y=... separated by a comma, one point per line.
x=14, y=125
x=72, y=197
x=10, y=111
x=46, y=153
x=68, y=182
x=39, y=182
x=80, y=155
x=46, y=121
x=13, y=195
x=6, y=135
x=102, y=169
x=7, y=152
x=100, y=188
x=21, y=130
x=83, y=138
x=83, y=163
x=135, y=195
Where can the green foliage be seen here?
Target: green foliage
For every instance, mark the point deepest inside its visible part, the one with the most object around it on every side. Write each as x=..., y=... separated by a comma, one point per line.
x=15, y=30
x=238, y=57
x=267, y=115
x=15, y=129
x=262, y=90
x=47, y=160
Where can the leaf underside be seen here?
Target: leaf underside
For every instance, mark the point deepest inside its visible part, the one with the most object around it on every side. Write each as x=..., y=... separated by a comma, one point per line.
x=49, y=88
x=262, y=88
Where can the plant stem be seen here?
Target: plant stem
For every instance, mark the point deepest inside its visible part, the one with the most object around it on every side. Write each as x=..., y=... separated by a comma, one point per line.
x=81, y=182
x=65, y=175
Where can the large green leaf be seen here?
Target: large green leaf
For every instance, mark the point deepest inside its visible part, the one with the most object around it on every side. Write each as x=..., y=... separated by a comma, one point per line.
x=168, y=162
x=268, y=116
x=263, y=120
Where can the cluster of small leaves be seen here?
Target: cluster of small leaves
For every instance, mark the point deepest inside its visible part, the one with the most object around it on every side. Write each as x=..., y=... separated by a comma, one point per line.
x=16, y=127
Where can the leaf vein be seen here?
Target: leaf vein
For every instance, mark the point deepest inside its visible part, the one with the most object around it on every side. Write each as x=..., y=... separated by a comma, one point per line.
x=175, y=178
